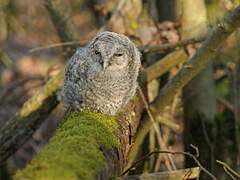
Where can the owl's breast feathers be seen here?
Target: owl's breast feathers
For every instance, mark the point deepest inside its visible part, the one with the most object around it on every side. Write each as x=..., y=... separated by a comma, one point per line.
x=106, y=94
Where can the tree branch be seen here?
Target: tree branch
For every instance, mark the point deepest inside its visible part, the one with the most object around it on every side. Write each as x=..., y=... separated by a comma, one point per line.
x=61, y=14
x=198, y=61
x=16, y=131
x=165, y=64
x=208, y=50
x=167, y=46
x=172, y=153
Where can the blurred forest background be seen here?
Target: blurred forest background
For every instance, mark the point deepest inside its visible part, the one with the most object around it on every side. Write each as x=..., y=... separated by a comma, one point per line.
x=206, y=113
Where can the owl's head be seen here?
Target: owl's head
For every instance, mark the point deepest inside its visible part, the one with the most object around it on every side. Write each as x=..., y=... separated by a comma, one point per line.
x=114, y=52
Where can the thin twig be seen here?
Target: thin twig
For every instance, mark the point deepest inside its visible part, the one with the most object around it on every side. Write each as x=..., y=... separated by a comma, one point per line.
x=229, y=173
x=82, y=42
x=60, y=44
x=236, y=95
x=226, y=103
x=196, y=149
x=180, y=174
x=117, y=10
x=167, y=46
x=229, y=168
x=161, y=142
x=146, y=49
x=173, y=153
x=209, y=143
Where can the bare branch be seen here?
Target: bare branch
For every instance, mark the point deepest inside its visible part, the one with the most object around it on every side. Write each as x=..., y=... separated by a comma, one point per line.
x=165, y=64
x=208, y=50
x=173, y=153
x=161, y=142
x=167, y=46
x=226, y=103
x=56, y=45
x=199, y=60
x=228, y=168
x=61, y=14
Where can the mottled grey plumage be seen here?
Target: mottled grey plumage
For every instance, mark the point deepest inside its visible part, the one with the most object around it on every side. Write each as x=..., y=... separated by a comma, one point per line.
x=102, y=76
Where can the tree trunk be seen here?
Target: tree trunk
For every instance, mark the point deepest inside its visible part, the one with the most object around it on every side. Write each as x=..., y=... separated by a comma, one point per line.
x=199, y=94
x=169, y=10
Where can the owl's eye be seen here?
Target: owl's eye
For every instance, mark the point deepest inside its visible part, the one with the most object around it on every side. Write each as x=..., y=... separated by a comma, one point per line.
x=118, y=54
x=97, y=52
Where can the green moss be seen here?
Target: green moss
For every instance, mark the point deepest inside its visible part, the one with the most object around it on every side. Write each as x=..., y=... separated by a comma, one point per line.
x=73, y=153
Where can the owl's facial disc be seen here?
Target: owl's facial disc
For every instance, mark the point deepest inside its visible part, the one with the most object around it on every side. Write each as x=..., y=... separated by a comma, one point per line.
x=108, y=55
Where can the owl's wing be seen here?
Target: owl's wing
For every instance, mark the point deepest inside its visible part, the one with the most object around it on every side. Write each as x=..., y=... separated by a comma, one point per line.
x=75, y=66
x=73, y=78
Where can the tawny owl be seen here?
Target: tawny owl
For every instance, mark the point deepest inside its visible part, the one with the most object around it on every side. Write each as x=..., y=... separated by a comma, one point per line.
x=102, y=76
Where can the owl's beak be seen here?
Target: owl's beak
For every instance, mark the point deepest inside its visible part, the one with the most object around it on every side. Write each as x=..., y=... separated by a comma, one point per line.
x=105, y=65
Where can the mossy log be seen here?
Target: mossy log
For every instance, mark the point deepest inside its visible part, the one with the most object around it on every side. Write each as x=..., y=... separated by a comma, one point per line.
x=87, y=146
x=74, y=151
